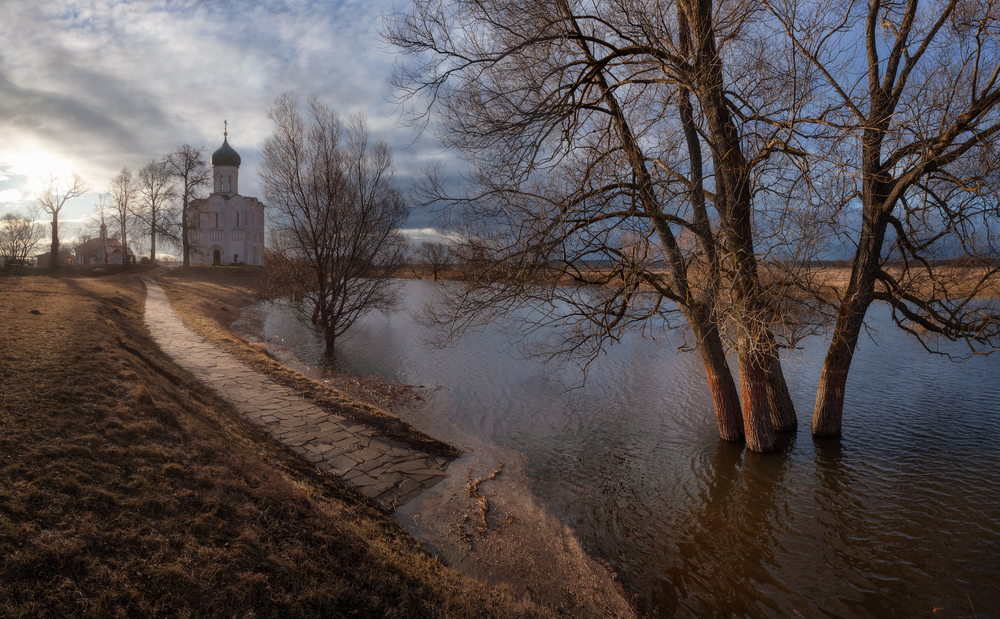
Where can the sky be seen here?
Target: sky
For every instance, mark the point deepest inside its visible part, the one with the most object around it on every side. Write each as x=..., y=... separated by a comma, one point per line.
x=91, y=87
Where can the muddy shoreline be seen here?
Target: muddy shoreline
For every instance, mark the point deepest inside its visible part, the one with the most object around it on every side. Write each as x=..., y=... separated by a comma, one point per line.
x=519, y=544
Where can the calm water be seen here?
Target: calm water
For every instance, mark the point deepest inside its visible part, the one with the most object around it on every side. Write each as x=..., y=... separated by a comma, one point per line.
x=900, y=518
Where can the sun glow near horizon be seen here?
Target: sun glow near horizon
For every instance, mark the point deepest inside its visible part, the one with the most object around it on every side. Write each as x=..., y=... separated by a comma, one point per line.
x=25, y=174
x=34, y=166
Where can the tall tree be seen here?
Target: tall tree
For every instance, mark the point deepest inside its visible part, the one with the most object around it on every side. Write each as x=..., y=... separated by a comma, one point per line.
x=52, y=196
x=586, y=147
x=156, y=193
x=915, y=122
x=335, y=215
x=187, y=165
x=124, y=194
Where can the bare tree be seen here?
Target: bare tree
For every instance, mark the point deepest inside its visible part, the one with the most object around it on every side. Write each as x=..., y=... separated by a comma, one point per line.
x=156, y=194
x=915, y=124
x=53, y=195
x=123, y=192
x=187, y=165
x=19, y=234
x=335, y=216
x=435, y=255
x=585, y=126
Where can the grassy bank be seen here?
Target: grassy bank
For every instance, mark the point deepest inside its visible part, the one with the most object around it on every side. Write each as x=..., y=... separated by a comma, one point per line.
x=127, y=490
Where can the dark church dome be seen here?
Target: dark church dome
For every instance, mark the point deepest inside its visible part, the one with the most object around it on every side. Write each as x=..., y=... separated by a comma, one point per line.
x=226, y=156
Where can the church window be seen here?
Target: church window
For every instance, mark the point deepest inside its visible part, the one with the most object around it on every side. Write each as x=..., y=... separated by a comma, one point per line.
x=237, y=219
x=215, y=224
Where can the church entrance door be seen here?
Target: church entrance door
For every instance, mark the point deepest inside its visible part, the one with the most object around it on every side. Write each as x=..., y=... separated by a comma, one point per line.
x=217, y=257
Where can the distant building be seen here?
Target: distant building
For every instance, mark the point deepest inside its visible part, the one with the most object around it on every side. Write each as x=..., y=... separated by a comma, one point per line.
x=230, y=226
x=103, y=250
x=65, y=257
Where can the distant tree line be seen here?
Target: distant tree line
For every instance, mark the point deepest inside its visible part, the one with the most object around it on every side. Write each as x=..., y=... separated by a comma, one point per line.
x=143, y=210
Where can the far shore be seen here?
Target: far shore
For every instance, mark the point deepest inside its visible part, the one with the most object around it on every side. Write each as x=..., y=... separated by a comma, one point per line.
x=828, y=281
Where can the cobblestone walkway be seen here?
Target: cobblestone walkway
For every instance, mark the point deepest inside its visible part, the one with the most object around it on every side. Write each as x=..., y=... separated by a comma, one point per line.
x=377, y=467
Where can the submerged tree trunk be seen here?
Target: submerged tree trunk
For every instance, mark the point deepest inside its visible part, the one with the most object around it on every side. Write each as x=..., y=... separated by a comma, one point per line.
x=734, y=203
x=726, y=398
x=756, y=408
x=779, y=399
x=829, y=410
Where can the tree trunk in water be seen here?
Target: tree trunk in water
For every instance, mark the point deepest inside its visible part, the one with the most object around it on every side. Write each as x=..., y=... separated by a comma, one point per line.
x=756, y=408
x=331, y=337
x=829, y=411
x=780, y=401
x=720, y=382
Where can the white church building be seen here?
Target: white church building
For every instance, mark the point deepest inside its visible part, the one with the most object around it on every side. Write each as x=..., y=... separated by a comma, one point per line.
x=231, y=226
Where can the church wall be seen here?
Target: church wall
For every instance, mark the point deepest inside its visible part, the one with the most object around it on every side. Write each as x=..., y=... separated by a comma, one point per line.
x=235, y=227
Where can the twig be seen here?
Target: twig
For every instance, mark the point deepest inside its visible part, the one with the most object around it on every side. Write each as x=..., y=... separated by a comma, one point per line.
x=472, y=490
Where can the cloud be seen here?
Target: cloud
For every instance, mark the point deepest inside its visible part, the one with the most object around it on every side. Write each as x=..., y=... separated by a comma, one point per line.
x=10, y=195
x=416, y=236
x=99, y=85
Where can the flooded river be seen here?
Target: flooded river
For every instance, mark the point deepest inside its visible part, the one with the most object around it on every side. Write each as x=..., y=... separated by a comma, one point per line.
x=900, y=518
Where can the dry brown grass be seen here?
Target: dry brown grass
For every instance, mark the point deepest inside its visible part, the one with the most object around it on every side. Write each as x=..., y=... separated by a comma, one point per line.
x=958, y=281
x=208, y=300
x=126, y=490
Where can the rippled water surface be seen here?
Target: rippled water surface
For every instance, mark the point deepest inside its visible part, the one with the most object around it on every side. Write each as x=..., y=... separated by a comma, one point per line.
x=900, y=518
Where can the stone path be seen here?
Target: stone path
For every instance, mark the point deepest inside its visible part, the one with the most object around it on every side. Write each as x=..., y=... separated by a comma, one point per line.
x=377, y=467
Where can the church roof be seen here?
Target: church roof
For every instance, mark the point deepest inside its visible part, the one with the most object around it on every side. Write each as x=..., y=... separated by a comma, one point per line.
x=94, y=246
x=226, y=156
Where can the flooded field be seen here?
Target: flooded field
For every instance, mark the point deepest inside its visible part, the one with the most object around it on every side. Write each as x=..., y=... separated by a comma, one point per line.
x=900, y=518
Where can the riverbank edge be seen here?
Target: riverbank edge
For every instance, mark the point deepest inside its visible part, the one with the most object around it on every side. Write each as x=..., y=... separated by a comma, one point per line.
x=595, y=588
